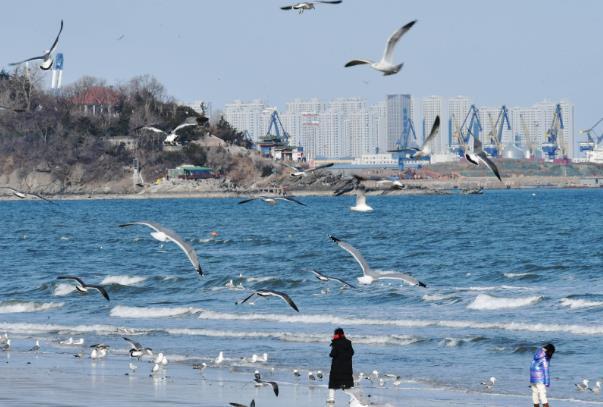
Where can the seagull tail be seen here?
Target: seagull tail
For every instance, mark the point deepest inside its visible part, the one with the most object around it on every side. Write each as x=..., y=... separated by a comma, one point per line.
x=333, y=238
x=199, y=270
x=421, y=284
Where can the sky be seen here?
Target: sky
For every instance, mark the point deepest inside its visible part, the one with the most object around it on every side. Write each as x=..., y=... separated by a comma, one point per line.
x=514, y=52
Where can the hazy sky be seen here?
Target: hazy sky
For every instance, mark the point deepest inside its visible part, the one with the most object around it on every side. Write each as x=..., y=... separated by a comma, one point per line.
x=515, y=52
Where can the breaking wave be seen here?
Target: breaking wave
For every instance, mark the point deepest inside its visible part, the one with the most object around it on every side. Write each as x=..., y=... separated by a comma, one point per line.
x=123, y=311
x=577, y=303
x=63, y=289
x=487, y=302
x=15, y=307
x=123, y=280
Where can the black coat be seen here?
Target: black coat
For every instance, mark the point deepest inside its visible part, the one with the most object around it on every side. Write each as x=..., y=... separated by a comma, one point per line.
x=341, y=375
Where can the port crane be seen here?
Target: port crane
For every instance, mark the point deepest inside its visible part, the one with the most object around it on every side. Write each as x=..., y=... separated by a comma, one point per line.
x=472, y=124
x=409, y=129
x=280, y=134
x=494, y=149
x=553, y=141
x=458, y=140
x=593, y=140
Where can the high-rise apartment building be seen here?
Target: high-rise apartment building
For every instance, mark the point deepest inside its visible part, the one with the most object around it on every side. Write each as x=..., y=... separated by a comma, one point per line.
x=400, y=110
x=247, y=116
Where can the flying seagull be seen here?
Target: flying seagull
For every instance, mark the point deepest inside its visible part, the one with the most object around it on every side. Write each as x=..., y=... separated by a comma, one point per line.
x=137, y=350
x=272, y=200
x=323, y=277
x=479, y=155
x=355, y=184
x=371, y=275
x=489, y=384
x=300, y=172
x=268, y=383
x=171, y=136
x=252, y=404
x=23, y=195
x=47, y=58
x=83, y=287
x=425, y=149
x=386, y=64
x=164, y=234
x=308, y=5
x=271, y=293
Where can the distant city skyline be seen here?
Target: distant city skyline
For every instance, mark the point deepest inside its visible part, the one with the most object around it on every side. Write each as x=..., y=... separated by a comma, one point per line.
x=219, y=51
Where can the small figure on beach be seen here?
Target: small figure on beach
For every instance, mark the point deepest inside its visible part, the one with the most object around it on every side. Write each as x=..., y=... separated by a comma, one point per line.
x=341, y=375
x=539, y=374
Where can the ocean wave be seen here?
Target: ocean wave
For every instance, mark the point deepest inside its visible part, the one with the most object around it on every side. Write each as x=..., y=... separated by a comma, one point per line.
x=15, y=307
x=31, y=329
x=123, y=280
x=578, y=303
x=456, y=342
x=123, y=311
x=63, y=289
x=451, y=298
x=494, y=288
x=260, y=279
x=519, y=275
x=487, y=302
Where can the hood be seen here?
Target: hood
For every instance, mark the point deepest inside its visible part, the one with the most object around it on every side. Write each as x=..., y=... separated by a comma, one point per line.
x=540, y=354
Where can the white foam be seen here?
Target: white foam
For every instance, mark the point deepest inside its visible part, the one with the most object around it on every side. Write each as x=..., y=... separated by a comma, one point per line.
x=487, y=302
x=15, y=307
x=259, y=279
x=577, y=303
x=123, y=280
x=517, y=275
x=438, y=297
x=123, y=311
x=494, y=288
x=31, y=329
x=63, y=289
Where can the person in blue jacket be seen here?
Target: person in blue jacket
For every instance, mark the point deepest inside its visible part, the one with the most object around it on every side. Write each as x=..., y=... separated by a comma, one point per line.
x=540, y=378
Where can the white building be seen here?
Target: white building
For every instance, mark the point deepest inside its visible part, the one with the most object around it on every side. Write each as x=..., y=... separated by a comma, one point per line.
x=248, y=116
x=458, y=107
x=432, y=107
x=377, y=127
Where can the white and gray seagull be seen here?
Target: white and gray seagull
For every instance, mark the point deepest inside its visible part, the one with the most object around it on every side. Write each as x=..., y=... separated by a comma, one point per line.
x=300, y=172
x=308, y=5
x=425, y=149
x=23, y=195
x=372, y=275
x=164, y=234
x=479, y=155
x=83, y=287
x=271, y=293
x=582, y=386
x=325, y=278
x=386, y=64
x=172, y=135
x=272, y=200
x=137, y=351
x=47, y=58
x=489, y=384
x=252, y=404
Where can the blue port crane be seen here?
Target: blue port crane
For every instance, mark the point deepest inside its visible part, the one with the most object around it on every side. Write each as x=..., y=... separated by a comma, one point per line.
x=552, y=143
x=495, y=147
x=280, y=134
x=471, y=124
x=407, y=132
x=592, y=139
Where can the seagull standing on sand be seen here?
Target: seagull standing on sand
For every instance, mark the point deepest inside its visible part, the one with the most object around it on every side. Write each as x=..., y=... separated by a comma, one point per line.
x=36, y=347
x=6, y=346
x=323, y=277
x=371, y=275
x=386, y=64
x=582, y=386
x=272, y=200
x=308, y=5
x=425, y=149
x=47, y=58
x=479, y=155
x=83, y=287
x=23, y=195
x=271, y=293
x=164, y=234
x=597, y=388
x=220, y=359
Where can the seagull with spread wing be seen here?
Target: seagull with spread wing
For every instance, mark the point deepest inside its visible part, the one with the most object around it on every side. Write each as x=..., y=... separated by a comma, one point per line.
x=164, y=234
x=272, y=200
x=270, y=293
x=23, y=195
x=252, y=404
x=172, y=135
x=479, y=155
x=386, y=64
x=370, y=275
x=137, y=351
x=300, y=172
x=325, y=278
x=47, y=58
x=427, y=146
x=308, y=5
x=83, y=287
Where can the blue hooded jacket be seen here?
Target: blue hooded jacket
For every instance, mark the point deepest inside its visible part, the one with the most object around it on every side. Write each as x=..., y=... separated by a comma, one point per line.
x=539, y=369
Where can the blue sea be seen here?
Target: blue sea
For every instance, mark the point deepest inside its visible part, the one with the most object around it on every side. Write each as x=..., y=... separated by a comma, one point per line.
x=506, y=272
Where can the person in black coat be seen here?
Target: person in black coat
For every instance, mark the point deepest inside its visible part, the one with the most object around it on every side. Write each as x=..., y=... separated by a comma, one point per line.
x=341, y=375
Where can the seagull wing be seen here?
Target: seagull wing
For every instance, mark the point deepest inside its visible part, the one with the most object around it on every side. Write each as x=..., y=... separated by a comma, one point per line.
x=42, y=198
x=393, y=40
x=183, y=125
x=274, y=387
x=247, y=200
x=489, y=163
x=355, y=62
x=246, y=298
x=43, y=57
x=154, y=129
x=354, y=252
x=174, y=237
x=426, y=147
x=292, y=199
x=329, y=1
x=135, y=345
x=399, y=276
x=319, y=276
x=100, y=289
x=237, y=405
x=291, y=166
x=56, y=41
x=345, y=188
x=285, y=297
x=342, y=281
x=285, y=8
x=79, y=280
x=320, y=167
